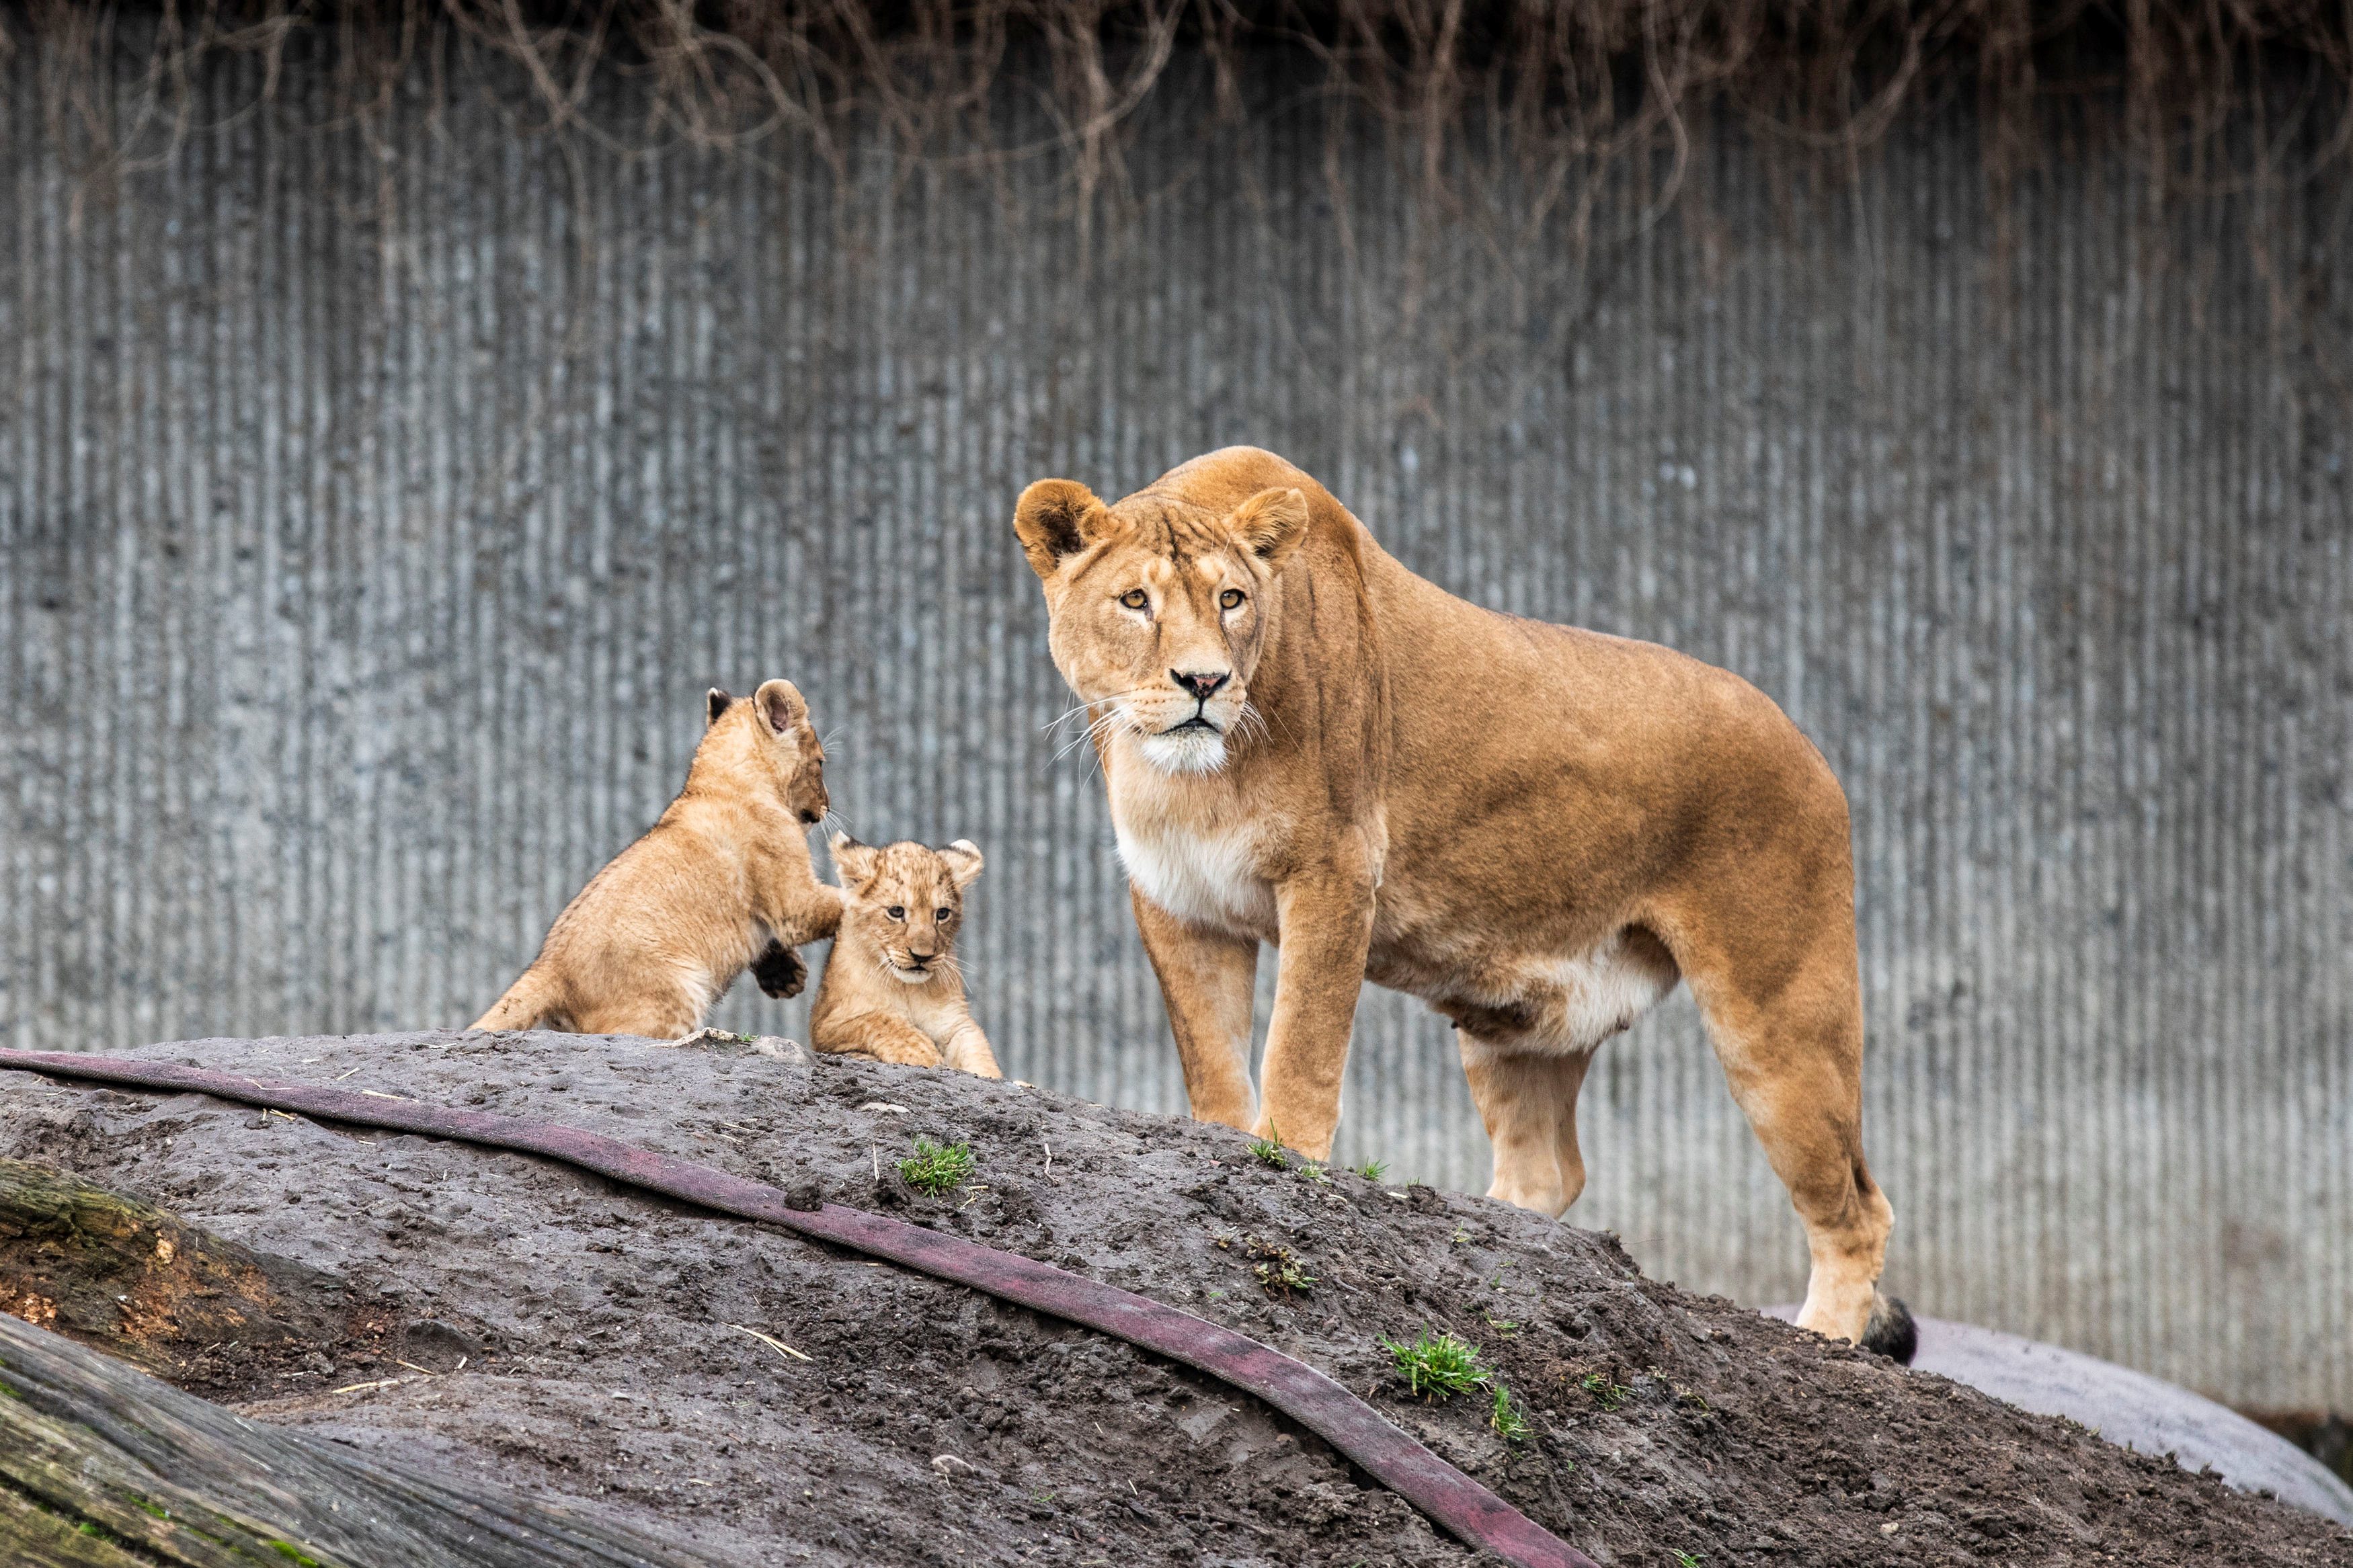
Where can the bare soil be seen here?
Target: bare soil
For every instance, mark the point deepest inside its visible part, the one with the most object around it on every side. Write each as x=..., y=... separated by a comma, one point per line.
x=524, y=1325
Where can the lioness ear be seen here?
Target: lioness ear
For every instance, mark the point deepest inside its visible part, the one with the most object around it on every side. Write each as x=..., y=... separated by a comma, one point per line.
x=1270, y=525
x=780, y=702
x=718, y=704
x=964, y=861
x=1057, y=517
x=855, y=861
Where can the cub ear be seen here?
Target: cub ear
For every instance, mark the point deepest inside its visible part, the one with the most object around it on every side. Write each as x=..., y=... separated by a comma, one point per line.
x=717, y=704
x=964, y=861
x=780, y=702
x=1270, y=525
x=1055, y=519
x=857, y=862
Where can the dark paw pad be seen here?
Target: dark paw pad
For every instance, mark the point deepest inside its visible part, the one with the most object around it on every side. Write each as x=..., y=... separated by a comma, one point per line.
x=1891, y=1332
x=780, y=971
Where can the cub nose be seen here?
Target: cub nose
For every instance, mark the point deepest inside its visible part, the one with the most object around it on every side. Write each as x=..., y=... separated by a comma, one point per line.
x=1201, y=683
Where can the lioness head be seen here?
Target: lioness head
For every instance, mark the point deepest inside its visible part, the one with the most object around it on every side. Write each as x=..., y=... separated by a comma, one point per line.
x=905, y=902
x=1158, y=607
x=767, y=736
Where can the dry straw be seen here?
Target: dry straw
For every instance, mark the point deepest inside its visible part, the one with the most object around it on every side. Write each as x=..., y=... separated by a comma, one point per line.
x=1510, y=118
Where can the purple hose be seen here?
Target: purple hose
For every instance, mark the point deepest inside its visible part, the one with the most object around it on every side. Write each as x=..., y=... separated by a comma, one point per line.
x=1448, y=1496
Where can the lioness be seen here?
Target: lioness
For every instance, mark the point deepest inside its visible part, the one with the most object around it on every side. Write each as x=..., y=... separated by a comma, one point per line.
x=892, y=989
x=1536, y=829
x=720, y=882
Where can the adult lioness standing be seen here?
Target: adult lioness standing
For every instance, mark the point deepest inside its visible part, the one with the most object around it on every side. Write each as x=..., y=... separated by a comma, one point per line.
x=1534, y=828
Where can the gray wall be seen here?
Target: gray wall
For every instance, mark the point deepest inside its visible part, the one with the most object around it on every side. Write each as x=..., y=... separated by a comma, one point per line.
x=375, y=510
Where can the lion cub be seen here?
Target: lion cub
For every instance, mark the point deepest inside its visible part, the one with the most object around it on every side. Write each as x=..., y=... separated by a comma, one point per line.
x=723, y=882
x=891, y=988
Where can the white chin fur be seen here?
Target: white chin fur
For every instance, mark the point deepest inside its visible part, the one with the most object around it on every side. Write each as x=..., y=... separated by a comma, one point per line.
x=1188, y=752
x=910, y=976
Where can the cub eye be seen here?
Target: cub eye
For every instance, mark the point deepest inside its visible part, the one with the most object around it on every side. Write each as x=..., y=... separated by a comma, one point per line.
x=896, y=912
x=1232, y=598
x=943, y=915
x=1136, y=599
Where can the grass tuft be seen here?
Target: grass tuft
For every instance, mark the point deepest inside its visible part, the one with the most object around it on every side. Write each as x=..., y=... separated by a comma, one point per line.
x=1506, y=1417
x=1610, y=1394
x=1438, y=1366
x=1372, y=1170
x=1267, y=1152
x=1279, y=1270
x=938, y=1168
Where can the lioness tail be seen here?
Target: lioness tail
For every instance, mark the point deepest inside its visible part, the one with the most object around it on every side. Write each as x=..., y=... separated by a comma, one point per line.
x=1891, y=1330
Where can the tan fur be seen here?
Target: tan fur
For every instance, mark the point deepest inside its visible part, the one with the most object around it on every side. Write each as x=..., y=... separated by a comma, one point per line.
x=1535, y=829
x=722, y=883
x=892, y=989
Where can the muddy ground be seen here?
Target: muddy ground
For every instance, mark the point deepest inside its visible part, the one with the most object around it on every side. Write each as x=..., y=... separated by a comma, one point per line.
x=524, y=1325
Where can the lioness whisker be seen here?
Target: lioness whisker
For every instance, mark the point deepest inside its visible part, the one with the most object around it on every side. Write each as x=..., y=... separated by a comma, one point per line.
x=1093, y=731
x=1077, y=709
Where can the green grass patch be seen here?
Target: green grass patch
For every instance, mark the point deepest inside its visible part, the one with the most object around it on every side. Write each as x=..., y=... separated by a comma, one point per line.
x=1267, y=1152
x=1506, y=1419
x=1438, y=1366
x=1372, y=1170
x=938, y=1168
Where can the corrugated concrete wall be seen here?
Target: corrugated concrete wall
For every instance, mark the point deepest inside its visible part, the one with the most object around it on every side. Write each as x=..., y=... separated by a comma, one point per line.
x=375, y=511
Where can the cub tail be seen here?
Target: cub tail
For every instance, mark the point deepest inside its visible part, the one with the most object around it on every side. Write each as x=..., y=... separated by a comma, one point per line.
x=529, y=1003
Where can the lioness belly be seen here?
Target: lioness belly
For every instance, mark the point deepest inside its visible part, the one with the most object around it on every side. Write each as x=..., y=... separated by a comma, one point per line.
x=1547, y=1003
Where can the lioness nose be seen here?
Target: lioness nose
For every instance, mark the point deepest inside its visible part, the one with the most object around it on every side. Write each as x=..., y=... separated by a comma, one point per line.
x=1201, y=683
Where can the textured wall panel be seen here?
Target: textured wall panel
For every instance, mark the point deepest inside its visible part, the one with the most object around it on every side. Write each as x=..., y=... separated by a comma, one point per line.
x=374, y=513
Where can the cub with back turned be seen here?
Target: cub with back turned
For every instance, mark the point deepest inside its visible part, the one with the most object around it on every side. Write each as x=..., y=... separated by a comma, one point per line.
x=723, y=882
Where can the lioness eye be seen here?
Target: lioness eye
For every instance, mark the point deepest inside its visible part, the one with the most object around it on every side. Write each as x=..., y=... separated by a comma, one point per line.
x=941, y=914
x=896, y=912
x=1134, y=599
x=1232, y=598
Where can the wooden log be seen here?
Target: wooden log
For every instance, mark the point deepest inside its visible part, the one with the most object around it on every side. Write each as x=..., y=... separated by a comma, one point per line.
x=102, y=1467
x=138, y=1282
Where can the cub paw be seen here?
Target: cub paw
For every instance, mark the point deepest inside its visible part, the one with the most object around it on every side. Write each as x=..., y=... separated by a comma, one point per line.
x=779, y=970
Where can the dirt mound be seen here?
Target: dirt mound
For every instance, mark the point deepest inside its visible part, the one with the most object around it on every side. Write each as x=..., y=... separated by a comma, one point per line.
x=525, y=1325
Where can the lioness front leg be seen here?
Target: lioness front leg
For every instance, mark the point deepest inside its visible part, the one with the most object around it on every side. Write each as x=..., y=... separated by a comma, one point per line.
x=881, y=1036
x=1207, y=980
x=1327, y=925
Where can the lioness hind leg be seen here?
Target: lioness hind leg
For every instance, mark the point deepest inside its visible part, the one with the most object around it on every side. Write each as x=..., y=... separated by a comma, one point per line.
x=1794, y=1061
x=1528, y=1101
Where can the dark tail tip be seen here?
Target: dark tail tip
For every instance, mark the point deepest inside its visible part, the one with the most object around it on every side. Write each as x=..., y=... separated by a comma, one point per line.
x=1891, y=1332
